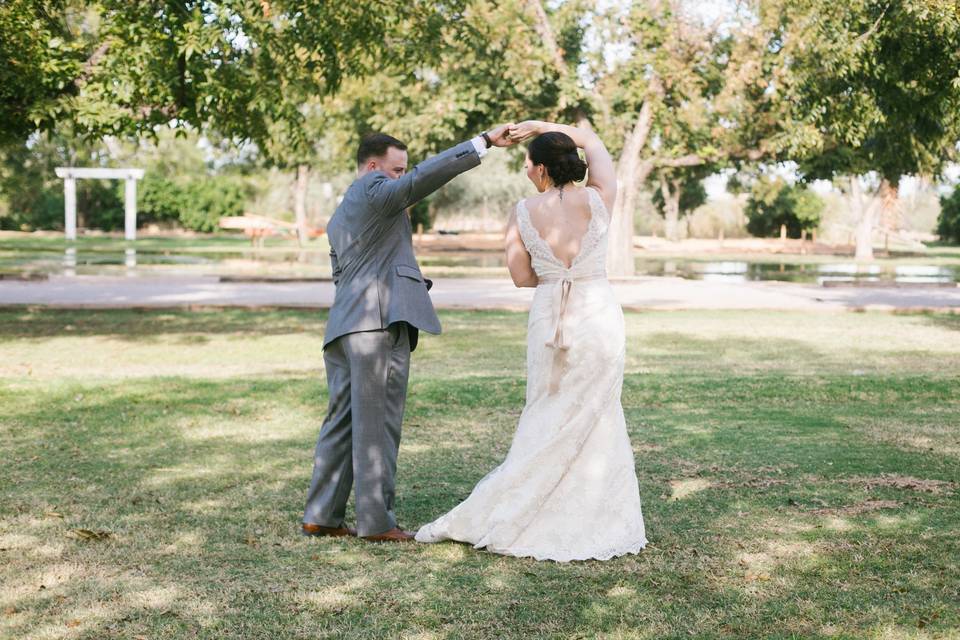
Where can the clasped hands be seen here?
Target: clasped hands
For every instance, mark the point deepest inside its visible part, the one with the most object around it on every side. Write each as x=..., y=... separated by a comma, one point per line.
x=511, y=133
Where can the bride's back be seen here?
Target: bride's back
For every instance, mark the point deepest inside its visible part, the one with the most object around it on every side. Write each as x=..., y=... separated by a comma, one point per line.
x=561, y=223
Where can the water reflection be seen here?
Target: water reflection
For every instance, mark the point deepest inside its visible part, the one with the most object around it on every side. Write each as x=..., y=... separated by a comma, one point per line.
x=70, y=262
x=735, y=271
x=135, y=261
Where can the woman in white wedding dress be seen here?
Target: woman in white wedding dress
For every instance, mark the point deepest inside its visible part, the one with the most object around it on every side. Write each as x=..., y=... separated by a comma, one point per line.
x=567, y=489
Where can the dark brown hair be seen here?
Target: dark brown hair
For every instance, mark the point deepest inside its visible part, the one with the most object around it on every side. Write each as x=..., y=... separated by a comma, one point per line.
x=374, y=145
x=558, y=154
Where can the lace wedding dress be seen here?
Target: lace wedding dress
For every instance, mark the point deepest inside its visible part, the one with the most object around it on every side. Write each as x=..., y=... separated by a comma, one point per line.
x=567, y=489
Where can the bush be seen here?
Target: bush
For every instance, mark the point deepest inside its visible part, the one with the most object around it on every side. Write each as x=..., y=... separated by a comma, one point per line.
x=420, y=214
x=197, y=205
x=159, y=199
x=100, y=204
x=774, y=203
x=209, y=199
x=948, y=223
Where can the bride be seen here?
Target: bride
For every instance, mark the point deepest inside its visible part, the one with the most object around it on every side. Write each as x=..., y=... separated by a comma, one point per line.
x=567, y=489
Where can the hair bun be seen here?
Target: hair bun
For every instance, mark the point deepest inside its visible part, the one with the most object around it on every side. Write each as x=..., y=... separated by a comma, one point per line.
x=558, y=154
x=567, y=168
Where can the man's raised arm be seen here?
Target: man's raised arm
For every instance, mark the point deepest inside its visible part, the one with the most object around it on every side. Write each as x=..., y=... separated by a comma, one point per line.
x=394, y=195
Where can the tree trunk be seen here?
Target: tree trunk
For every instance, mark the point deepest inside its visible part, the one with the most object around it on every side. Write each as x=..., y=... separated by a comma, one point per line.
x=889, y=206
x=671, y=207
x=631, y=174
x=300, y=203
x=865, y=215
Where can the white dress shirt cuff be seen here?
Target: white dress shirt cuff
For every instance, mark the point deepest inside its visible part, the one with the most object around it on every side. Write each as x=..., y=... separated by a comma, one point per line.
x=480, y=146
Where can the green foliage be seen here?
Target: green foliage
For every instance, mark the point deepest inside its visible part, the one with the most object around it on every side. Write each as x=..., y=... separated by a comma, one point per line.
x=34, y=194
x=160, y=199
x=197, y=203
x=421, y=214
x=948, y=224
x=490, y=66
x=243, y=68
x=176, y=187
x=774, y=203
x=208, y=199
x=692, y=195
x=871, y=86
x=41, y=58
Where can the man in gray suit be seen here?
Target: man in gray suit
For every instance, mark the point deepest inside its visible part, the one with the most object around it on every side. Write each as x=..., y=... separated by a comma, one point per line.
x=381, y=304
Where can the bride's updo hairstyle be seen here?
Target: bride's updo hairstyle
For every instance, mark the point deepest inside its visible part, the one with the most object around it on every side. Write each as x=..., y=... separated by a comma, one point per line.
x=558, y=154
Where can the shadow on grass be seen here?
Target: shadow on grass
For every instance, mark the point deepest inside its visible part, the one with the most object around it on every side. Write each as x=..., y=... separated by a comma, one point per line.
x=201, y=484
x=141, y=325
x=944, y=321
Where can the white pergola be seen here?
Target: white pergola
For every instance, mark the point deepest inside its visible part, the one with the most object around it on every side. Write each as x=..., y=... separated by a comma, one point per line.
x=130, y=176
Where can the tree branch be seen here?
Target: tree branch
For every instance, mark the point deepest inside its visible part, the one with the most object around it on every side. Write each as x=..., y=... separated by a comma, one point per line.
x=695, y=160
x=872, y=30
x=91, y=62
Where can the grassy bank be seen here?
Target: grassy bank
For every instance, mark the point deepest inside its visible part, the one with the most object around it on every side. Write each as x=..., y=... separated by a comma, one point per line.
x=799, y=474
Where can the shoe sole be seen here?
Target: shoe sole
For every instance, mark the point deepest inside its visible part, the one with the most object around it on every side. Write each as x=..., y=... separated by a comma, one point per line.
x=388, y=540
x=307, y=534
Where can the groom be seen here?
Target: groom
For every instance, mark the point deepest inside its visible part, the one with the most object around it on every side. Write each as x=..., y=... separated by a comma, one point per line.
x=380, y=305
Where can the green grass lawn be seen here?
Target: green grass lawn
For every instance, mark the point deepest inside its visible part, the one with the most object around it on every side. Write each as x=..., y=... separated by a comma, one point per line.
x=800, y=476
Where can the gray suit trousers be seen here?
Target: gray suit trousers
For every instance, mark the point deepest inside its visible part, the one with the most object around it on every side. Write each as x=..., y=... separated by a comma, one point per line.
x=367, y=377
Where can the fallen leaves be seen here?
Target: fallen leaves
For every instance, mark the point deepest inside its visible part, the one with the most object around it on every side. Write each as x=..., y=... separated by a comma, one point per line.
x=858, y=508
x=894, y=481
x=89, y=534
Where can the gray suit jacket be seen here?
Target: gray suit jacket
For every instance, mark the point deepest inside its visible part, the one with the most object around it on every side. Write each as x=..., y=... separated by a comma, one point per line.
x=378, y=281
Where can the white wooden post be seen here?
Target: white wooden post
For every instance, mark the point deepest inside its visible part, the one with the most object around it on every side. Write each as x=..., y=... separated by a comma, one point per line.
x=130, y=208
x=70, y=208
x=70, y=175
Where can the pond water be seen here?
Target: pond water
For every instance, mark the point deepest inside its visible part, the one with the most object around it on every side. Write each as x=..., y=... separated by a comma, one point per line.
x=131, y=261
x=737, y=271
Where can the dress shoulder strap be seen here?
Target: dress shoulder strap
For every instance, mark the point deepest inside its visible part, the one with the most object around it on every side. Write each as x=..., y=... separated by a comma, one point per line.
x=597, y=207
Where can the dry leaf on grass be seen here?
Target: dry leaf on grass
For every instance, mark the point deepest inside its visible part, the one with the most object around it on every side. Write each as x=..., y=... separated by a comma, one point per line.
x=895, y=481
x=89, y=534
x=857, y=509
x=757, y=577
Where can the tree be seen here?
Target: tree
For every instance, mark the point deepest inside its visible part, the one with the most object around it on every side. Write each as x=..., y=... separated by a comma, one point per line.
x=678, y=193
x=688, y=97
x=774, y=203
x=872, y=87
x=244, y=69
x=948, y=224
x=42, y=54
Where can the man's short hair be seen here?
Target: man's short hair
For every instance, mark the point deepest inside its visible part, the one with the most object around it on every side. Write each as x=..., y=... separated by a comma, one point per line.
x=375, y=145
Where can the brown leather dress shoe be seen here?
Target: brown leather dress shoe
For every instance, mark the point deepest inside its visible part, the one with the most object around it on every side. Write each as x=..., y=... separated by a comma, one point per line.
x=394, y=535
x=334, y=532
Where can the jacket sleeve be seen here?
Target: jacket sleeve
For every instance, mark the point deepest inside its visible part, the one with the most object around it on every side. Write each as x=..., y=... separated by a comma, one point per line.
x=390, y=197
